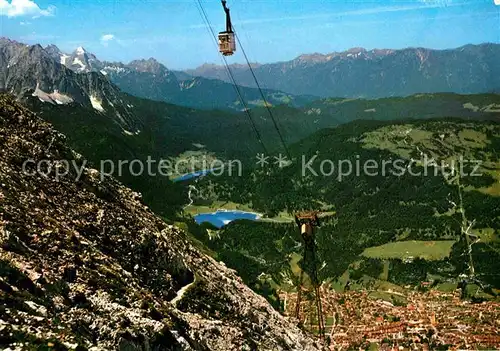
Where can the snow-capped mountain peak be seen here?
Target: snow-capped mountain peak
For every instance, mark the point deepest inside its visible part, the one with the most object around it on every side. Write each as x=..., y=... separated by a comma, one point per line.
x=81, y=61
x=64, y=58
x=80, y=50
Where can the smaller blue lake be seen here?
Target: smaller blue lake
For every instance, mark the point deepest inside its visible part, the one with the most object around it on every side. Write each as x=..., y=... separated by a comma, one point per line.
x=193, y=175
x=221, y=218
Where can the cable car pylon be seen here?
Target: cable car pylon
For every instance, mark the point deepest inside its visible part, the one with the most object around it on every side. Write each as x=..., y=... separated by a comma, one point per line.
x=307, y=221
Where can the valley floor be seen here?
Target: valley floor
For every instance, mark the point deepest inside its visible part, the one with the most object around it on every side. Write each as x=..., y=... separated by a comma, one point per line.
x=429, y=321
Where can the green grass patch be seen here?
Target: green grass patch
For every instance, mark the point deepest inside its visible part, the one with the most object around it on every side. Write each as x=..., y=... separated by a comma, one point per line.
x=395, y=299
x=446, y=287
x=217, y=205
x=487, y=235
x=294, y=263
x=428, y=250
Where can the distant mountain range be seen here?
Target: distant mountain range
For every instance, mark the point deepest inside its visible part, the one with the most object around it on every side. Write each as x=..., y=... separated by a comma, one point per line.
x=359, y=73
x=60, y=79
x=151, y=80
x=356, y=73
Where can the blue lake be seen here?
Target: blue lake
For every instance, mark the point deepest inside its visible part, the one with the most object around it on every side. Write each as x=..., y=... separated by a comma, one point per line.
x=192, y=175
x=221, y=218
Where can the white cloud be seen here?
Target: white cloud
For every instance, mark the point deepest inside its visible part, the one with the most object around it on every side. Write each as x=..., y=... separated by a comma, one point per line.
x=106, y=38
x=497, y=2
x=17, y=8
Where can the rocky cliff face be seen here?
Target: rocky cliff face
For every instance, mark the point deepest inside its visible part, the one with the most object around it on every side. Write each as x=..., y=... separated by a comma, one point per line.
x=85, y=264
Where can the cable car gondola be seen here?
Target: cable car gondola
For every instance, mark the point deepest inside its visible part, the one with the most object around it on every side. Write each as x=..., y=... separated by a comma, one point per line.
x=227, y=46
x=227, y=42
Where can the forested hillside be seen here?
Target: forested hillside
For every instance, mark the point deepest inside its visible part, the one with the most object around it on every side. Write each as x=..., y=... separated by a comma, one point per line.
x=434, y=215
x=165, y=130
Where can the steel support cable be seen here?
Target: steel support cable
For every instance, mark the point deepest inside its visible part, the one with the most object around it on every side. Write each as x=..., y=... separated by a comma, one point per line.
x=231, y=76
x=266, y=104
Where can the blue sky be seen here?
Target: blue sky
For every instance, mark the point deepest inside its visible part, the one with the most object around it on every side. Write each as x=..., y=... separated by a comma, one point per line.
x=270, y=30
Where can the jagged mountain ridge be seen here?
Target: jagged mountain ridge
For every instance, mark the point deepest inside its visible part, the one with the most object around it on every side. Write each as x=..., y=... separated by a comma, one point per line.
x=33, y=70
x=152, y=80
x=80, y=60
x=470, y=69
x=140, y=79
x=83, y=263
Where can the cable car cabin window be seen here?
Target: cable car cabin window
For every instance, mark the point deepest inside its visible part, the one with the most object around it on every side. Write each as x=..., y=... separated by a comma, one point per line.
x=227, y=44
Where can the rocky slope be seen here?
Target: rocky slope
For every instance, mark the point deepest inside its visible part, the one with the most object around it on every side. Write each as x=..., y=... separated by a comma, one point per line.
x=85, y=264
x=357, y=72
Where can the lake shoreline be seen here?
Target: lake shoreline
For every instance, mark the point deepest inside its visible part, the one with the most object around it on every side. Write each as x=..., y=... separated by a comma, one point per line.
x=223, y=217
x=234, y=207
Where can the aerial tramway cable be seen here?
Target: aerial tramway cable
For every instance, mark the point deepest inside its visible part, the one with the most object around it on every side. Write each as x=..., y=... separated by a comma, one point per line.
x=231, y=76
x=266, y=104
x=240, y=95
